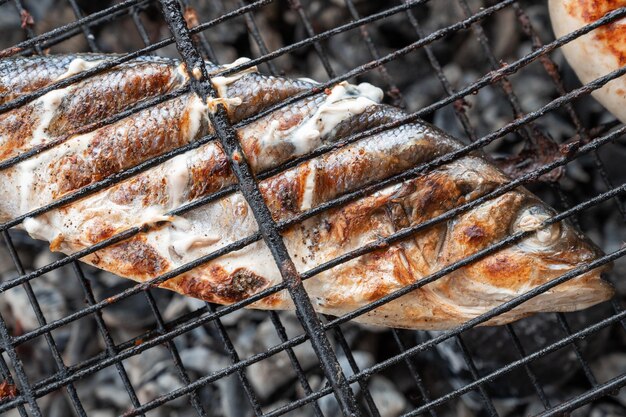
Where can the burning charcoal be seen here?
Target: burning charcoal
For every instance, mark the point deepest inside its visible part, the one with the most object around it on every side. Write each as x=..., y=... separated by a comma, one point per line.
x=233, y=399
x=133, y=312
x=160, y=385
x=6, y=263
x=363, y=360
x=237, y=316
x=328, y=403
x=58, y=406
x=492, y=348
x=306, y=411
x=535, y=407
x=606, y=409
x=110, y=390
x=26, y=248
x=389, y=401
x=179, y=306
x=461, y=410
x=83, y=342
x=60, y=277
x=201, y=360
x=51, y=302
x=277, y=368
x=149, y=366
x=422, y=93
x=154, y=375
x=608, y=367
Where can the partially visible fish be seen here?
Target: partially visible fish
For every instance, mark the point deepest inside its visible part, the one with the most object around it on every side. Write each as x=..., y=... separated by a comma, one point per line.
x=78, y=160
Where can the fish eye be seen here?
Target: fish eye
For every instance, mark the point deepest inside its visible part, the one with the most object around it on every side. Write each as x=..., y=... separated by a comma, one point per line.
x=531, y=218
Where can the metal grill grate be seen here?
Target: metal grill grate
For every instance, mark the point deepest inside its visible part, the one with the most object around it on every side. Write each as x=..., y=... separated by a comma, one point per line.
x=323, y=334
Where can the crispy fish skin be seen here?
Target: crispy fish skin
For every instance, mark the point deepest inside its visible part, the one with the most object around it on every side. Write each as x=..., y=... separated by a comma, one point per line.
x=605, y=45
x=61, y=112
x=270, y=141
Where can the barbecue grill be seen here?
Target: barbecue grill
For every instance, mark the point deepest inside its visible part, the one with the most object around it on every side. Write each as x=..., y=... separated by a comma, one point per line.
x=570, y=150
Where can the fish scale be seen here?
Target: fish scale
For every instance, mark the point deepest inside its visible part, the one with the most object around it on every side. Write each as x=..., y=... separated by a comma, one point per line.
x=21, y=75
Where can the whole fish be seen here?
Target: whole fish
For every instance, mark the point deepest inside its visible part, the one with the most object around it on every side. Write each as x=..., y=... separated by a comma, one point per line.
x=73, y=151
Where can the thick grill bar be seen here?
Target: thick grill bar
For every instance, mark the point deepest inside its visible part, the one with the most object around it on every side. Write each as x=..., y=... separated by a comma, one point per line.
x=329, y=338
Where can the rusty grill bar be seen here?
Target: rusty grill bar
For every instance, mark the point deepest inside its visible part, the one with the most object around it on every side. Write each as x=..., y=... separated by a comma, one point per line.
x=315, y=328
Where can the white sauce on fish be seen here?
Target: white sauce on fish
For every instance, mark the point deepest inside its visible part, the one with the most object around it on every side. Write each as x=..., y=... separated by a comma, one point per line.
x=309, y=187
x=27, y=179
x=197, y=112
x=47, y=106
x=177, y=176
x=213, y=102
x=37, y=167
x=153, y=215
x=182, y=238
x=77, y=66
x=344, y=101
x=255, y=258
x=221, y=83
x=39, y=228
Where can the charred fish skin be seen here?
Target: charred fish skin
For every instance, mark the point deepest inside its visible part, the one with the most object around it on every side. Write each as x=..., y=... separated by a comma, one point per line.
x=269, y=141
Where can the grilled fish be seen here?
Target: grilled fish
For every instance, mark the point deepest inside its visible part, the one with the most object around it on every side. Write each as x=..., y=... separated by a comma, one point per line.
x=71, y=149
x=605, y=44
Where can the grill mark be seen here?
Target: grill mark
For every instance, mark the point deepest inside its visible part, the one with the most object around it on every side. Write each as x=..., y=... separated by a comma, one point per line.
x=213, y=284
x=135, y=258
x=283, y=193
x=210, y=174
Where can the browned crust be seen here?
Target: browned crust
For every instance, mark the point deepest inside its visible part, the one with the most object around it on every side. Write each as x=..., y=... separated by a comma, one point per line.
x=358, y=274
x=134, y=258
x=210, y=174
x=34, y=84
x=612, y=37
x=123, y=145
x=16, y=127
x=283, y=194
x=7, y=390
x=108, y=94
x=221, y=287
x=149, y=191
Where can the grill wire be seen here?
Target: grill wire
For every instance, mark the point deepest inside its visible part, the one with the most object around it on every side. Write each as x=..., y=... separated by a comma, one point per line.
x=318, y=330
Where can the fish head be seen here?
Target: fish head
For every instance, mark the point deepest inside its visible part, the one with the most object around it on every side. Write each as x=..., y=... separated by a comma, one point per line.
x=549, y=250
